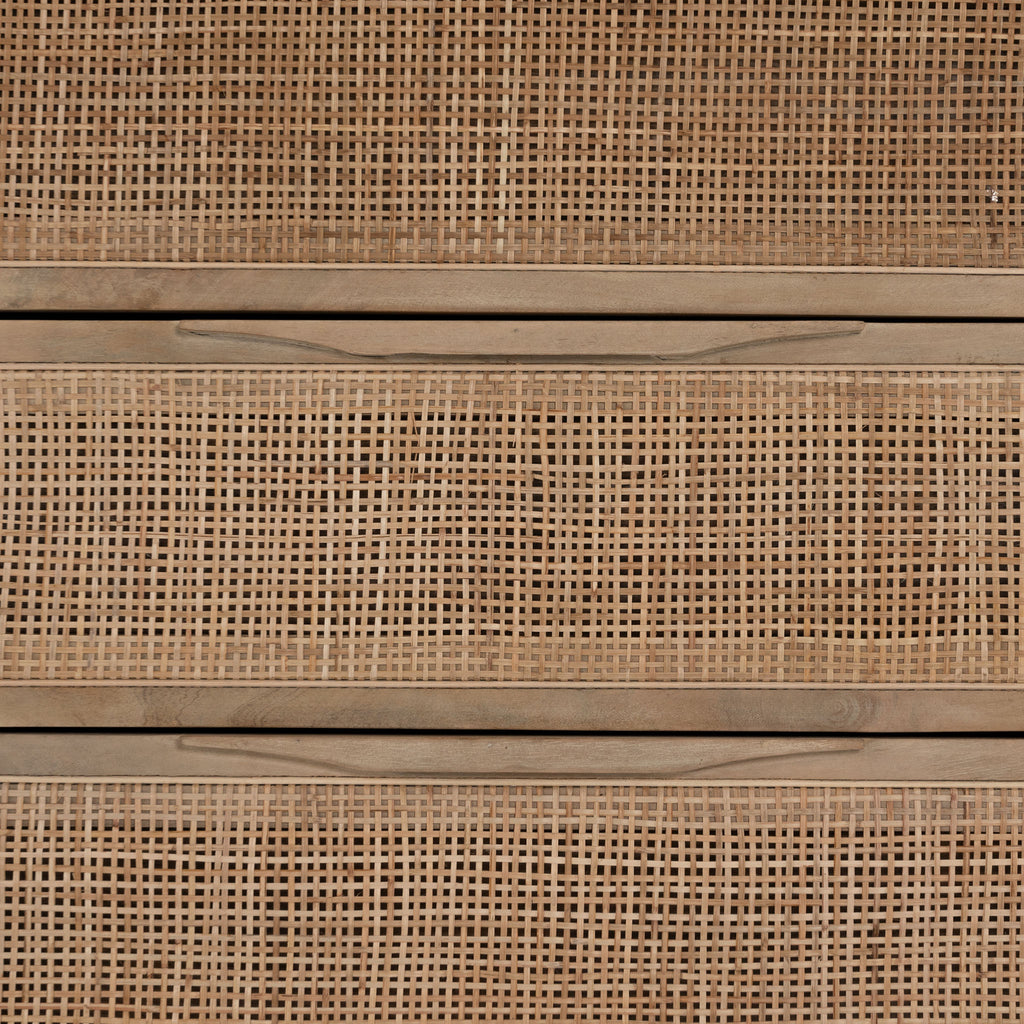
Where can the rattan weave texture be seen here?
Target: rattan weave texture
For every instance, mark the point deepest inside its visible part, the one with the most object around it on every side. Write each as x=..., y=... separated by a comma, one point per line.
x=450, y=525
x=287, y=902
x=713, y=132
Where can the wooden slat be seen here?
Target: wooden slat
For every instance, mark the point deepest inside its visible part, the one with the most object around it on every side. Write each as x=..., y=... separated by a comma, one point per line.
x=501, y=291
x=53, y=705
x=417, y=755
x=627, y=342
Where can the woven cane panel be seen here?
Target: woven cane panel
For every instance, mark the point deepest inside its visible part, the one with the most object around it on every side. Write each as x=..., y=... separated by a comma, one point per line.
x=610, y=525
x=288, y=902
x=472, y=131
x=625, y=526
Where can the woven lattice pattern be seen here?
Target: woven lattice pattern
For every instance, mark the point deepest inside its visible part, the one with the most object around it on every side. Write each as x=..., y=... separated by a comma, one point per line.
x=288, y=902
x=711, y=132
x=627, y=526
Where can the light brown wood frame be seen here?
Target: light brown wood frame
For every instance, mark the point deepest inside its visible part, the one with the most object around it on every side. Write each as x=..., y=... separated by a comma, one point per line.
x=978, y=706
x=789, y=339
x=171, y=754
x=507, y=291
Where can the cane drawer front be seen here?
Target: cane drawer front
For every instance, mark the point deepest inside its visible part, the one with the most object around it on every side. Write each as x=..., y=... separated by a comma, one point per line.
x=472, y=131
x=490, y=526
x=305, y=900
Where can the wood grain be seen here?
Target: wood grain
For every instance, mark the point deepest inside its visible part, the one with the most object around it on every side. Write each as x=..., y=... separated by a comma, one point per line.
x=499, y=291
x=260, y=755
x=534, y=708
x=387, y=341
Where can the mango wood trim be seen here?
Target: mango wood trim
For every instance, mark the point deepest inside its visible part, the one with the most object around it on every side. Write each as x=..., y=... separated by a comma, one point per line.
x=594, y=708
x=321, y=755
x=393, y=342
x=621, y=291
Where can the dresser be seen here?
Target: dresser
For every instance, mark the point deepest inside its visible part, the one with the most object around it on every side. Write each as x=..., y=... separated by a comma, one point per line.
x=511, y=512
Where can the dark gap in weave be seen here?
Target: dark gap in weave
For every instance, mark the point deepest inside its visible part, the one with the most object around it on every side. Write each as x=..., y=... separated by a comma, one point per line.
x=497, y=734
x=457, y=315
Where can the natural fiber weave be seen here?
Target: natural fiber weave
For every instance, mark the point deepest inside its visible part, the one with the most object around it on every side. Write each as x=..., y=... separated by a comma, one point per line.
x=625, y=526
x=455, y=131
x=275, y=903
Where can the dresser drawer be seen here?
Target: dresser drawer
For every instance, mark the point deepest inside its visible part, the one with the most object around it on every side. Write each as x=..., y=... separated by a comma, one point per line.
x=729, y=878
x=445, y=544
x=474, y=132
x=530, y=157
